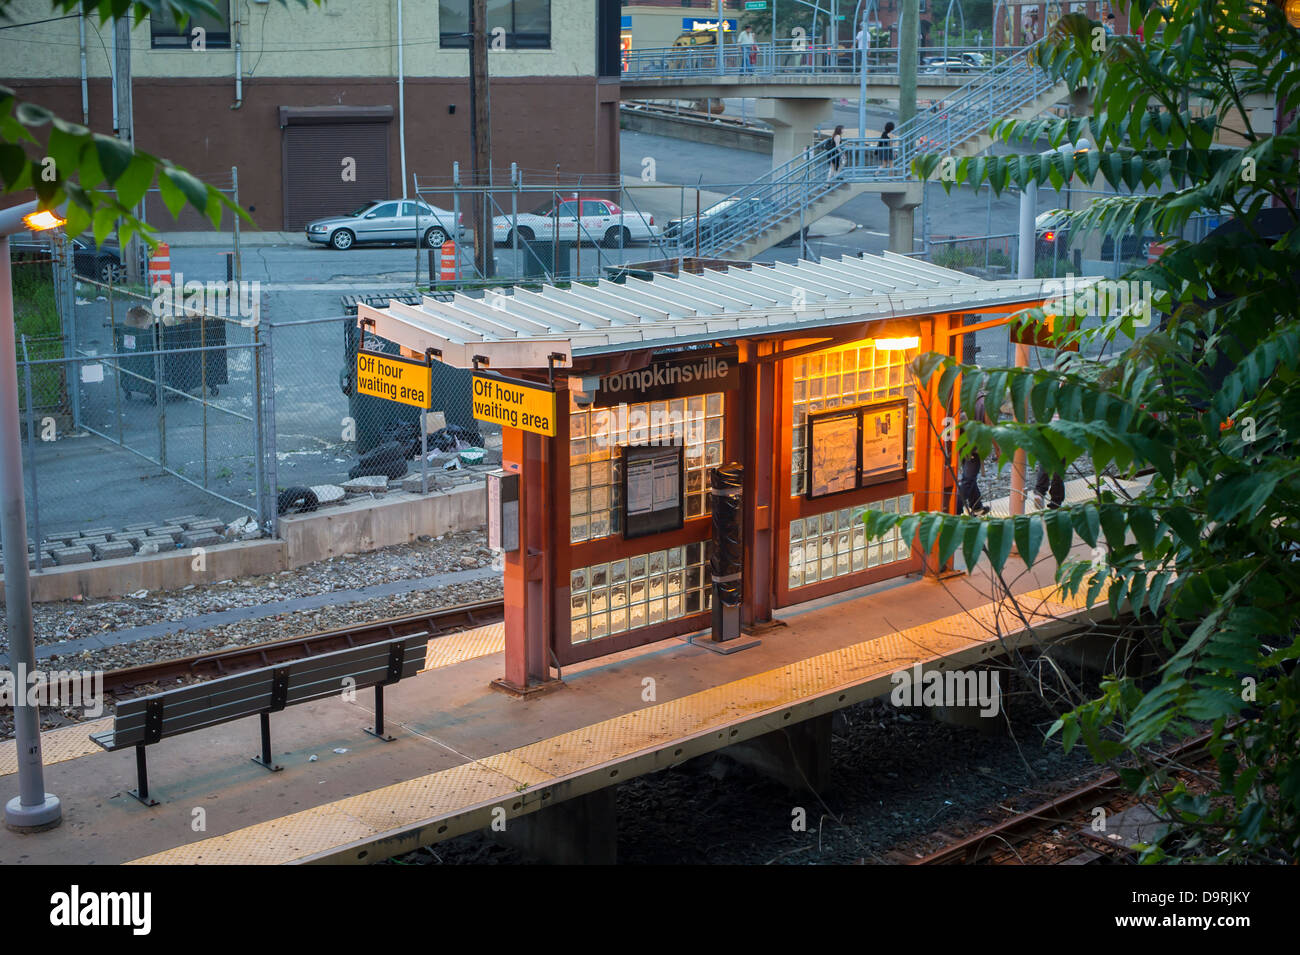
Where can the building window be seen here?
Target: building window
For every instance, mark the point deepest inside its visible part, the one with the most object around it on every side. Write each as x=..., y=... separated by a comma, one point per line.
x=165, y=33
x=835, y=543
x=840, y=378
x=523, y=24
x=595, y=463
x=639, y=591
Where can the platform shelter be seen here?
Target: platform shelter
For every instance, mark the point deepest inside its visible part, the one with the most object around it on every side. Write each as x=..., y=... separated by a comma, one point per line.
x=618, y=400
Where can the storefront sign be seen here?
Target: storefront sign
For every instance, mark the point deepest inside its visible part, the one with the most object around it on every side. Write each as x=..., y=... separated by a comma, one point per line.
x=690, y=23
x=514, y=403
x=397, y=379
x=677, y=377
x=852, y=448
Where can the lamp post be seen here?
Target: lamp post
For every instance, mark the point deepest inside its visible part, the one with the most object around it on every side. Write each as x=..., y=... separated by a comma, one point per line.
x=33, y=809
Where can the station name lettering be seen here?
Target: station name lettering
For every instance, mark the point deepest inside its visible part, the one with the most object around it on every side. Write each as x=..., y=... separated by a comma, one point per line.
x=663, y=375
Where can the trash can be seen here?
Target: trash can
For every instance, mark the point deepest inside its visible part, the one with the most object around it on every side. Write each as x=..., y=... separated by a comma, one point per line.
x=543, y=258
x=185, y=370
x=135, y=372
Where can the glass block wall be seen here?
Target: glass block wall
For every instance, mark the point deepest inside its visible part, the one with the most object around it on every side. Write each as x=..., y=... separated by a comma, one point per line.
x=840, y=378
x=606, y=599
x=595, y=463
x=835, y=543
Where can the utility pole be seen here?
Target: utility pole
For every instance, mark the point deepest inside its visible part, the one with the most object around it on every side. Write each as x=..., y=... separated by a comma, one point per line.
x=907, y=27
x=480, y=134
x=126, y=127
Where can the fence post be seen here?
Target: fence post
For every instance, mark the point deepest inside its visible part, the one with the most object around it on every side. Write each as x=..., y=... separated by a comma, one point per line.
x=158, y=386
x=268, y=509
x=68, y=295
x=31, y=456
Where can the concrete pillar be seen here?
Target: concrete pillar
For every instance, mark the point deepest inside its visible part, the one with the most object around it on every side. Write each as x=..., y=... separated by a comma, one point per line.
x=902, y=206
x=580, y=831
x=792, y=122
x=797, y=757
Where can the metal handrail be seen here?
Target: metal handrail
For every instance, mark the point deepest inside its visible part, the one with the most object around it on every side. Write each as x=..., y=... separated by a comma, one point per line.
x=800, y=58
x=781, y=195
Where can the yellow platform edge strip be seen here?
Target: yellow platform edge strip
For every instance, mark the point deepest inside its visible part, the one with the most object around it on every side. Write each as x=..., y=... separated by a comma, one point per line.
x=426, y=799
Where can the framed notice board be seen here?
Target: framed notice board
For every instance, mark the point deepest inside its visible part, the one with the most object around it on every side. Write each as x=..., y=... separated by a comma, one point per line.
x=652, y=490
x=852, y=448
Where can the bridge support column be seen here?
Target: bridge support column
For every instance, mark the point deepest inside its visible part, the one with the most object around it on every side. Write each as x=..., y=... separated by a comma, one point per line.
x=580, y=831
x=902, y=206
x=798, y=757
x=792, y=122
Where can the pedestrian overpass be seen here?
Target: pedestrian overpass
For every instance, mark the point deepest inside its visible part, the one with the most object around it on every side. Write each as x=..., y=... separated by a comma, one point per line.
x=802, y=186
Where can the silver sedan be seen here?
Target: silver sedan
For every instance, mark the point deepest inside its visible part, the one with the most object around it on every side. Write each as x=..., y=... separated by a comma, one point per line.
x=389, y=220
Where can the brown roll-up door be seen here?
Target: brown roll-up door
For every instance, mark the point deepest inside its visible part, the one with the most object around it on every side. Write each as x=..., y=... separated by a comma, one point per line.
x=314, y=156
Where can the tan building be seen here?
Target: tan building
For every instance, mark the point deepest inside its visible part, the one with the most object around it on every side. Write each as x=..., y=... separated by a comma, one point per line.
x=288, y=94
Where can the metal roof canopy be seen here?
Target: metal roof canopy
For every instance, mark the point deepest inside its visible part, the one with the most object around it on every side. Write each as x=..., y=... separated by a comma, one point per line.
x=525, y=330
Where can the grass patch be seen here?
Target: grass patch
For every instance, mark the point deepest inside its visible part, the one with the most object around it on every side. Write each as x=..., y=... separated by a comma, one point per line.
x=36, y=315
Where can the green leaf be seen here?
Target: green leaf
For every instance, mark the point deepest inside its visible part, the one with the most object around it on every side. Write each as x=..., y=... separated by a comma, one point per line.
x=973, y=542
x=1060, y=533
x=999, y=543
x=1028, y=536
x=114, y=156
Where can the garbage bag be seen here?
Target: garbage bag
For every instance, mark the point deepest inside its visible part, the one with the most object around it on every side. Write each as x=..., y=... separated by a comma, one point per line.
x=388, y=459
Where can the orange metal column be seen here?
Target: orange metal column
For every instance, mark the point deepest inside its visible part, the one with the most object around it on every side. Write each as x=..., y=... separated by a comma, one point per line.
x=759, y=389
x=933, y=431
x=528, y=594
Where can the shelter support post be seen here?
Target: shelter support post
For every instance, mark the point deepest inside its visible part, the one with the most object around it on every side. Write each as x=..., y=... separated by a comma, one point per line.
x=529, y=590
x=759, y=454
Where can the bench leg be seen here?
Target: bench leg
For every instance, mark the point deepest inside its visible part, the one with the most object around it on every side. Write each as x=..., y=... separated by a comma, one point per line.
x=141, y=792
x=378, y=731
x=264, y=760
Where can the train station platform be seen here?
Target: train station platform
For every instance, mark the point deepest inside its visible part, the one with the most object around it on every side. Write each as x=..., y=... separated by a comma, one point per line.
x=464, y=750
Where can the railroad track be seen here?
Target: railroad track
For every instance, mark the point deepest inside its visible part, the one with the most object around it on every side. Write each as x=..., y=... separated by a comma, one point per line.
x=437, y=623
x=997, y=840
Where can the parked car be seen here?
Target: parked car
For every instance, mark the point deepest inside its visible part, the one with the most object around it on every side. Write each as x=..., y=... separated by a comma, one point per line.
x=576, y=218
x=387, y=220
x=953, y=64
x=103, y=262
x=977, y=60
x=1052, y=229
x=719, y=218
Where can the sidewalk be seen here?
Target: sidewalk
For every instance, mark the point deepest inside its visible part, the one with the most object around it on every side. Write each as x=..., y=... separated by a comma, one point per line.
x=248, y=238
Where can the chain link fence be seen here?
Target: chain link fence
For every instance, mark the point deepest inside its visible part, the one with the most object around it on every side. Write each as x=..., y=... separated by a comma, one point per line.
x=140, y=414
x=327, y=434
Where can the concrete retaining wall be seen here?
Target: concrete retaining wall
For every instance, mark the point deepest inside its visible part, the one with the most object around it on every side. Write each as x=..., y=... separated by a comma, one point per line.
x=697, y=130
x=351, y=528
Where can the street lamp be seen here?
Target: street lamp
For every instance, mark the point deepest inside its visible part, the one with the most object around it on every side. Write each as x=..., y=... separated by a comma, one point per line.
x=33, y=809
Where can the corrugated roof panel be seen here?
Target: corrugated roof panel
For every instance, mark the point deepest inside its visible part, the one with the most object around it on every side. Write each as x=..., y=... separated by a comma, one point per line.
x=718, y=304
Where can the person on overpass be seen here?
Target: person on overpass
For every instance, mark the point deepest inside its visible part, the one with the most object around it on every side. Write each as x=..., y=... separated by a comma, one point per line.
x=748, y=50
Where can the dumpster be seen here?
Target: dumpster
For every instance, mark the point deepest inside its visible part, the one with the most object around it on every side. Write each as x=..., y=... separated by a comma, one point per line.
x=452, y=395
x=136, y=339
x=546, y=258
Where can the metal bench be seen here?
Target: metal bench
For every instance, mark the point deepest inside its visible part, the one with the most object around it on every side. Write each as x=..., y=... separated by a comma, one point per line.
x=146, y=720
